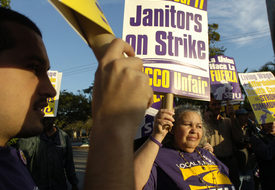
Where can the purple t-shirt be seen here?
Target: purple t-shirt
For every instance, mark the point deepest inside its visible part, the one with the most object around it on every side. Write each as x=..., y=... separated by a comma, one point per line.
x=13, y=172
x=171, y=171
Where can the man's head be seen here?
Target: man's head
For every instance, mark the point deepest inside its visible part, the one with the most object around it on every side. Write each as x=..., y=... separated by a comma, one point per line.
x=269, y=128
x=214, y=106
x=7, y=15
x=25, y=85
x=242, y=116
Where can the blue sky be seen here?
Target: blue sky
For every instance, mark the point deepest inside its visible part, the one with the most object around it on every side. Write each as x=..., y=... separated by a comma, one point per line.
x=243, y=26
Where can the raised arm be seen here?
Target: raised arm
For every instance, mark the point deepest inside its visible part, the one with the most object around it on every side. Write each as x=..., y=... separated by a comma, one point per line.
x=120, y=98
x=146, y=154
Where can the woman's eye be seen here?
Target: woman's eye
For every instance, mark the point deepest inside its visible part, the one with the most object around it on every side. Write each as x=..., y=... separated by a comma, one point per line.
x=187, y=124
x=199, y=126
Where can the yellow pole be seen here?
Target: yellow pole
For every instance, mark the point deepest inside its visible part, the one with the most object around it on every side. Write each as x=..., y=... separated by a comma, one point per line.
x=168, y=101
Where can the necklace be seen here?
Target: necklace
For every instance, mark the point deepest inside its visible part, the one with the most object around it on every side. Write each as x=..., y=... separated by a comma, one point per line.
x=200, y=179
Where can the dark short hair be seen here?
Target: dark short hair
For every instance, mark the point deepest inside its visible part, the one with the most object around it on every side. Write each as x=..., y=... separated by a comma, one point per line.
x=241, y=111
x=7, y=15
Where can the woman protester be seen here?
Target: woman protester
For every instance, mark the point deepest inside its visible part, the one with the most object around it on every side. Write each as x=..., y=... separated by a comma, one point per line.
x=180, y=163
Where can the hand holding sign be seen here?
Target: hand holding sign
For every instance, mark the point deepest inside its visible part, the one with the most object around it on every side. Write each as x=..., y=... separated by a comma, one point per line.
x=118, y=102
x=115, y=94
x=163, y=123
x=90, y=23
x=116, y=113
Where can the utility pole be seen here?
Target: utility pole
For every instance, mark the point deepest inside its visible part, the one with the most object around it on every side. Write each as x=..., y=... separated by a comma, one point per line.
x=270, y=6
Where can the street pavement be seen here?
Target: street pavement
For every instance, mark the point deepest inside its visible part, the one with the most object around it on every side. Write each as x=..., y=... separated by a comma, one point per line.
x=80, y=160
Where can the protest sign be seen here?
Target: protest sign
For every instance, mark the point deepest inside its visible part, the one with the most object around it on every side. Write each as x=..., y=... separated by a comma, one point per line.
x=172, y=39
x=146, y=127
x=89, y=9
x=260, y=90
x=224, y=79
x=88, y=20
x=55, y=78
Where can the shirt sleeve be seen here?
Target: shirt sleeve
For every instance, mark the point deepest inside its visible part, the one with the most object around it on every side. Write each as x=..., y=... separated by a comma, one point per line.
x=28, y=146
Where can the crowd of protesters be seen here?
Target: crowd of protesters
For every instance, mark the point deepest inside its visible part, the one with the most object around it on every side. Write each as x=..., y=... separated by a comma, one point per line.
x=232, y=143
x=248, y=147
x=245, y=147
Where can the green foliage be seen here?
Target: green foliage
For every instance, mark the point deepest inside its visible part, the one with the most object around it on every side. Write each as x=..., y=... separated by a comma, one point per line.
x=5, y=3
x=72, y=108
x=79, y=125
x=89, y=90
x=76, y=126
x=214, y=37
x=269, y=66
x=88, y=124
x=245, y=70
x=212, y=34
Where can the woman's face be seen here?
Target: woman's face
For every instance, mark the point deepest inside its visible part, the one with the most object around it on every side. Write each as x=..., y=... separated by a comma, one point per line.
x=188, y=132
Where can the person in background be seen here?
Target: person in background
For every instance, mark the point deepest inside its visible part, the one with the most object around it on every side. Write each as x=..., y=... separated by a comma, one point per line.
x=50, y=158
x=178, y=163
x=246, y=157
x=264, y=148
x=256, y=128
x=222, y=136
